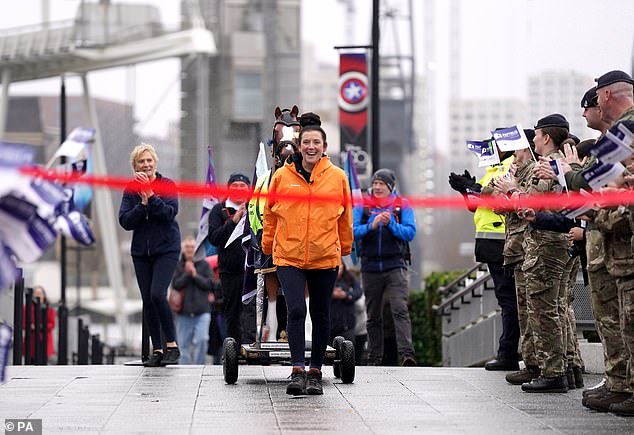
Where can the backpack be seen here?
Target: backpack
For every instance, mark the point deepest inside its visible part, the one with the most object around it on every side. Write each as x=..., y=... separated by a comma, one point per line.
x=406, y=251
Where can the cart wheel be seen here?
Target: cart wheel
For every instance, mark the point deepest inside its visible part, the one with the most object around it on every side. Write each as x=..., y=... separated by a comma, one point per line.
x=336, y=365
x=230, y=353
x=347, y=362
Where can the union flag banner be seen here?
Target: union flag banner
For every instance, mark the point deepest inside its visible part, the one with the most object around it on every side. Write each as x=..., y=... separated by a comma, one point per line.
x=353, y=99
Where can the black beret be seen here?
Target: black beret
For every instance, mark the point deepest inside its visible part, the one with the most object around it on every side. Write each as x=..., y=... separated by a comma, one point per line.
x=613, y=77
x=590, y=98
x=554, y=120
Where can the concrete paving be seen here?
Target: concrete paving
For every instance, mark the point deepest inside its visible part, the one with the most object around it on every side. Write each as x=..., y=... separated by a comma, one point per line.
x=382, y=400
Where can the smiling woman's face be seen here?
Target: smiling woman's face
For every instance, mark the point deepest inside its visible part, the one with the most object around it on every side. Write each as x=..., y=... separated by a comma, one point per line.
x=312, y=146
x=145, y=163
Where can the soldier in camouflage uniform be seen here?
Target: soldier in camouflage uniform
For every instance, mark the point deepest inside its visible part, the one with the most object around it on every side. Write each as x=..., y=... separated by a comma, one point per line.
x=615, y=91
x=522, y=174
x=605, y=306
x=545, y=260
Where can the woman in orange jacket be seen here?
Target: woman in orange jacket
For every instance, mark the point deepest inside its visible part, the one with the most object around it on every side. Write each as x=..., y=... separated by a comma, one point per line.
x=307, y=239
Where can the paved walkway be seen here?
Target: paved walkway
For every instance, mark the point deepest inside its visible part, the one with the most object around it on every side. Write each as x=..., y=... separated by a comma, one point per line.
x=383, y=400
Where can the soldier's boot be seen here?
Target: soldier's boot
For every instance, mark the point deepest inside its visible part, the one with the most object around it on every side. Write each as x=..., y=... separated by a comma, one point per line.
x=602, y=402
x=570, y=377
x=578, y=374
x=624, y=408
x=601, y=387
x=542, y=384
x=525, y=375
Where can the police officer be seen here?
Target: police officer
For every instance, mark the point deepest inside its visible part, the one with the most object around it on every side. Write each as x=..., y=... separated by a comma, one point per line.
x=489, y=248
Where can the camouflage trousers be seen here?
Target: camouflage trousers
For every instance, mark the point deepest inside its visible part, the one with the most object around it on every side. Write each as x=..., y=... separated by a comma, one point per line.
x=527, y=345
x=547, y=312
x=625, y=287
x=605, y=309
x=573, y=354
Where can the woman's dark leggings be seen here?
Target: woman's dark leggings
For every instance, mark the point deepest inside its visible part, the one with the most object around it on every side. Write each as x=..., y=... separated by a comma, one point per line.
x=153, y=274
x=320, y=283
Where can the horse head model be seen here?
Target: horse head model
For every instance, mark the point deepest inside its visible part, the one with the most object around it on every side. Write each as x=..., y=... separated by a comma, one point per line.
x=285, y=133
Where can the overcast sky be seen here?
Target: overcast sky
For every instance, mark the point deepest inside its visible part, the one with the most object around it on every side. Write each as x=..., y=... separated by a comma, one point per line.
x=502, y=42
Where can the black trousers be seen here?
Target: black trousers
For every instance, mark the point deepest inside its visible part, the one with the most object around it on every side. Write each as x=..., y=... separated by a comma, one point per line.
x=504, y=283
x=240, y=318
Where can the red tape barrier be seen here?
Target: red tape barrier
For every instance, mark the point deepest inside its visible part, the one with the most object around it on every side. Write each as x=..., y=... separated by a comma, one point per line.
x=547, y=201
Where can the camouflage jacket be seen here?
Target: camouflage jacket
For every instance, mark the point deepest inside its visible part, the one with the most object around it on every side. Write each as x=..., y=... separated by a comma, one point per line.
x=628, y=115
x=614, y=224
x=515, y=226
x=543, y=243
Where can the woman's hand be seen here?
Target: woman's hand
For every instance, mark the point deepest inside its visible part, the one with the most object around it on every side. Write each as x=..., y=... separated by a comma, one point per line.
x=575, y=234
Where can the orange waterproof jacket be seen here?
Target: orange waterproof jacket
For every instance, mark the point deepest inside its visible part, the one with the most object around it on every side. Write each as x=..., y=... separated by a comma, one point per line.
x=308, y=234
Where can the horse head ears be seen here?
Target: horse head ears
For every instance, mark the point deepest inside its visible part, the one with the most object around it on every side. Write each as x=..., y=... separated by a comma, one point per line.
x=278, y=112
x=295, y=111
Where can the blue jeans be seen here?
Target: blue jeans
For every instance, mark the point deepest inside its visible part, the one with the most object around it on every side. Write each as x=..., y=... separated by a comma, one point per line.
x=193, y=335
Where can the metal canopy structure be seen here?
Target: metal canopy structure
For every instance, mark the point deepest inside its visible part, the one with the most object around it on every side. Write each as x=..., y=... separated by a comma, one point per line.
x=103, y=36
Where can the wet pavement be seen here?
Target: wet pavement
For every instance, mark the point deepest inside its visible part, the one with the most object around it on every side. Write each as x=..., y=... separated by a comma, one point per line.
x=382, y=400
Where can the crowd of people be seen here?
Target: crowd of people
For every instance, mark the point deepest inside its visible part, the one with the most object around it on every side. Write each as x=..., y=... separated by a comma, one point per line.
x=534, y=255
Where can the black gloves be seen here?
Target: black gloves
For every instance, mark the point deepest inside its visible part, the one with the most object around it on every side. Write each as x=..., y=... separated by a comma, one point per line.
x=464, y=183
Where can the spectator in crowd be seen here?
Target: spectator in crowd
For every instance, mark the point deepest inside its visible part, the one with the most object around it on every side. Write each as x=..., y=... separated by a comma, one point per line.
x=307, y=240
x=39, y=296
x=342, y=312
x=194, y=278
x=155, y=248
x=223, y=218
x=384, y=230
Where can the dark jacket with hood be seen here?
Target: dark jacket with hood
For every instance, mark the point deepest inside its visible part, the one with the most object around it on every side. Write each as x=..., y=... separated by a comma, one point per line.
x=221, y=225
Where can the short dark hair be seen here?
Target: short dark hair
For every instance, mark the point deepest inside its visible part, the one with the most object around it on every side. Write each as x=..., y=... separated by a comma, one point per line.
x=557, y=134
x=583, y=147
x=312, y=127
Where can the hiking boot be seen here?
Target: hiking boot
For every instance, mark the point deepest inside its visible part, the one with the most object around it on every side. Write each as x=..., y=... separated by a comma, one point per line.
x=570, y=377
x=297, y=385
x=172, y=354
x=313, y=383
x=502, y=365
x=542, y=384
x=601, y=387
x=602, y=402
x=408, y=361
x=578, y=374
x=154, y=360
x=523, y=376
x=624, y=408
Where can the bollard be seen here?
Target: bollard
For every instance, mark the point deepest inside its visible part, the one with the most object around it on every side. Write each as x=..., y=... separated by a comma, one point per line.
x=82, y=342
x=28, y=321
x=37, y=335
x=18, y=319
x=62, y=330
x=96, y=355
x=44, y=331
x=111, y=356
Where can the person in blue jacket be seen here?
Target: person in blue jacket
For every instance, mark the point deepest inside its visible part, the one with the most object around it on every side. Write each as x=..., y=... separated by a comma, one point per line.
x=155, y=248
x=384, y=227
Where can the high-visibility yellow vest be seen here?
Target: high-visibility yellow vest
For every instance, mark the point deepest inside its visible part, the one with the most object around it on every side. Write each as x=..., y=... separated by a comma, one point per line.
x=490, y=225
